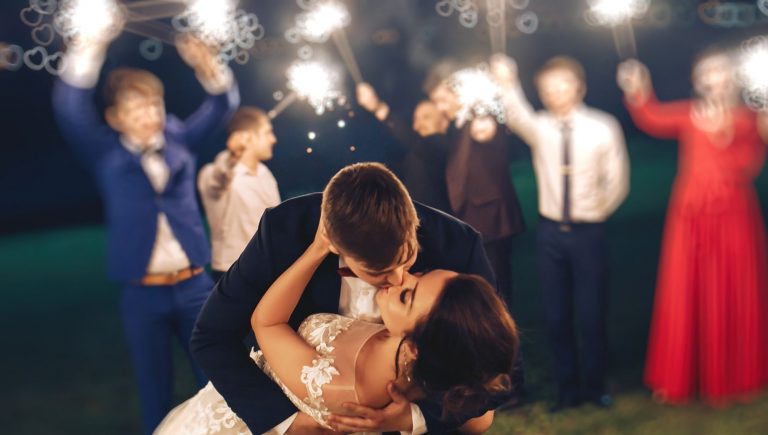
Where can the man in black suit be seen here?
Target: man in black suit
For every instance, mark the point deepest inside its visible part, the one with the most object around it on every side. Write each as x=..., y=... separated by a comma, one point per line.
x=377, y=232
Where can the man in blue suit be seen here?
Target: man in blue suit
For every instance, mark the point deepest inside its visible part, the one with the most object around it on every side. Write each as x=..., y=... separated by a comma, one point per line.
x=144, y=166
x=377, y=234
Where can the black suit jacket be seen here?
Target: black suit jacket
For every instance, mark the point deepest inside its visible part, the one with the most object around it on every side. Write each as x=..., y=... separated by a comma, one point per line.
x=479, y=185
x=284, y=233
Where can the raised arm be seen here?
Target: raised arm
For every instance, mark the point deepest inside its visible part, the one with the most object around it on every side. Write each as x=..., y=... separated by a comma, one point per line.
x=520, y=115
x=285, y=351
x=219, y=84
x=662, y=120
x=215, y=177
x=73, y=100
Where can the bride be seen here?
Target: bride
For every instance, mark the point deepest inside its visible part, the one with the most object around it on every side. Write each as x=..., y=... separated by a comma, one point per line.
x=458, y=355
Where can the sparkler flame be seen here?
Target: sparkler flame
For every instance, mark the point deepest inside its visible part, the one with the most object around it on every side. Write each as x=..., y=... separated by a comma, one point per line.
x=614, y=12
x=87, y=19
x=316, y=83
x=317, y=24
x=752, y=72
x=478, y=94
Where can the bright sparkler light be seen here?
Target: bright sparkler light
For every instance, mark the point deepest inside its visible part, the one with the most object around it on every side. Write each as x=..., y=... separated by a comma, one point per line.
x=316, y=83
x=752, y=72
x=87, y=20
x=212, y=20
x=614, y=12
x=478, y=94
x=317, y=24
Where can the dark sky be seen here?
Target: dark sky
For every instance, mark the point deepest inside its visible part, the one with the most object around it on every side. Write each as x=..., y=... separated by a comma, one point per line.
x=42, y=184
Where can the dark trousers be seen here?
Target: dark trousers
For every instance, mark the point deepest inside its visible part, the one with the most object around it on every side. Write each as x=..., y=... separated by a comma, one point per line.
x=572, y=268
x=499, y=254
x=152, y=316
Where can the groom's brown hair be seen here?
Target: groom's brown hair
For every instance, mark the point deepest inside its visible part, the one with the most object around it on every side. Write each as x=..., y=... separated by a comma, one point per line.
x=370, y=216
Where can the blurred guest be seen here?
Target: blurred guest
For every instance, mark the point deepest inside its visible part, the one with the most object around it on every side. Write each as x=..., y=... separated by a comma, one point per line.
x=480, y=189
x=582, y=173
x=424, y=144
x=144, y=165
x=237, y=187
x=709, y=332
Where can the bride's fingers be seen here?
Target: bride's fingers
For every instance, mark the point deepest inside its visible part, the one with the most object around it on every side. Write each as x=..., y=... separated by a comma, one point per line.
x=395, y=394
x=350, y=424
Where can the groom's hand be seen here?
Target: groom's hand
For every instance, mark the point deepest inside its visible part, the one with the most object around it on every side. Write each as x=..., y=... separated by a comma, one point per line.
x=395, y=417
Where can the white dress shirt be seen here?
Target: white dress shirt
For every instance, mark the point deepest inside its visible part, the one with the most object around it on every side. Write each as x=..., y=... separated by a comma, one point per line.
x=234, y=198
x=82, y=66
x=358, y=300
x=599, y=167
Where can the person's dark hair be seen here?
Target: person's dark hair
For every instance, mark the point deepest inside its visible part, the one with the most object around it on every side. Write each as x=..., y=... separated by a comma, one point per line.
x=247, y=118
x=370, y=216
x=136, y=80
x=466, y=347
x=438, y=73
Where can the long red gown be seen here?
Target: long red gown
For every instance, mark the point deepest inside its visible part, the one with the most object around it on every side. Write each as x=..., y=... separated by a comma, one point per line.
x=709, y=332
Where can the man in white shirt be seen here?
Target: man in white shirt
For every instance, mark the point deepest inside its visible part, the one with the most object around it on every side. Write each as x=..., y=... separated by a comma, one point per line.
x=143, y=163
x=237, y=187
x=582, y=174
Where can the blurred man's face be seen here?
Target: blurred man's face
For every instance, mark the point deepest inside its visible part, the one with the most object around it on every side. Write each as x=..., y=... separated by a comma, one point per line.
x=257, y=143
x=713, y=78
x=428, y=121
x=560, y=90
x=483, y=129
x=138, y=117
x=264, y=141
x=445, y=100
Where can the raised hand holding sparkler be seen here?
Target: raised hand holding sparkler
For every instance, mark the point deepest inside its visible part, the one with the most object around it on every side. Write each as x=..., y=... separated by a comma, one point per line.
x=618, y=15
x=634, y=80
x=89, y=23
x=201, y=57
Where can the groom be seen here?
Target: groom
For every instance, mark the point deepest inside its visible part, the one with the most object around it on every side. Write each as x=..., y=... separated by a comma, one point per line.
x=377, y=232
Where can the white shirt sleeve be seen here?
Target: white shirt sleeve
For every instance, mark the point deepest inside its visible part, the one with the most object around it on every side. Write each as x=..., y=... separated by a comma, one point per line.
x=615, y=169
x=521, y=118
x=283, y=427
x=419, y=423
x=82, y=66
x=215, y=177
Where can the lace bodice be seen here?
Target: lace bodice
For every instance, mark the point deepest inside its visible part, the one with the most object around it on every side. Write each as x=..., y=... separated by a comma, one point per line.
x=330, y=379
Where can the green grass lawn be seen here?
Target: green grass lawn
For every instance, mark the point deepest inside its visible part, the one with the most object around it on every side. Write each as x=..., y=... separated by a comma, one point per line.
x=65, y=364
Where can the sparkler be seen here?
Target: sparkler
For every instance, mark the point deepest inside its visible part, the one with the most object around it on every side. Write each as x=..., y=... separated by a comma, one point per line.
x=497, y=25
x=618, y=14
x=752, y=72
x=314, y=82
x=478, y=94
x=88, y=20
x=327, y=19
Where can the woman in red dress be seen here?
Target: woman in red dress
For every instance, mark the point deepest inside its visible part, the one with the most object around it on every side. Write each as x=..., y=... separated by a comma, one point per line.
x=709, y=333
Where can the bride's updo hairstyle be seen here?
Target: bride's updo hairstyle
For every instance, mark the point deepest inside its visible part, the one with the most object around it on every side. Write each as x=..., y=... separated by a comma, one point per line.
x=466, y=348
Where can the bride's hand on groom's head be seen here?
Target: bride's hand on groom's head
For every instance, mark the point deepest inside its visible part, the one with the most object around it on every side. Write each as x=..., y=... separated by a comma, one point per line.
x=321, y=241
x=395, y=417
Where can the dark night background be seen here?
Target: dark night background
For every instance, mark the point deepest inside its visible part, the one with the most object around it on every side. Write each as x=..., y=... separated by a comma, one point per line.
x=62, y=353
x=395, y=41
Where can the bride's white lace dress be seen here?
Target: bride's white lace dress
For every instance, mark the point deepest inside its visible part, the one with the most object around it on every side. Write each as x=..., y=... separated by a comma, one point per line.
x=329, y=381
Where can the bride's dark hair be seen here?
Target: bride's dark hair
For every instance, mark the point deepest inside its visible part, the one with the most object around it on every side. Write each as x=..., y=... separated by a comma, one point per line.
x=466, y=347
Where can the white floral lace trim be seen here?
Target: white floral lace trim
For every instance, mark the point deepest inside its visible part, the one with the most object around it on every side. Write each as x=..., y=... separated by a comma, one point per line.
x=211, y=417
x=319, y=330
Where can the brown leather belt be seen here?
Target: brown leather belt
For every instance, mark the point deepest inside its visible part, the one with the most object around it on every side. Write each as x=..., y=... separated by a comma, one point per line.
x=172, y=278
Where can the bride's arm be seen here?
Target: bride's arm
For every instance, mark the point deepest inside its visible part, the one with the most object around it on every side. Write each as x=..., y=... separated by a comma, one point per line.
x=285, y=351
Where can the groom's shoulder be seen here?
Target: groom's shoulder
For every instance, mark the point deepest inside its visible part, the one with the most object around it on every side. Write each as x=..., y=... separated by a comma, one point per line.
x=433, y=222
x=296, y=207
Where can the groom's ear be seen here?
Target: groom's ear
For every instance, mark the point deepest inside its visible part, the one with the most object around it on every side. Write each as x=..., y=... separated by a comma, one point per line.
x=333, y=248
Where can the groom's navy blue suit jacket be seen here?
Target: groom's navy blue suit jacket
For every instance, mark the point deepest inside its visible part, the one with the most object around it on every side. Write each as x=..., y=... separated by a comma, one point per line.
x=284, y=233
x=131, y=204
